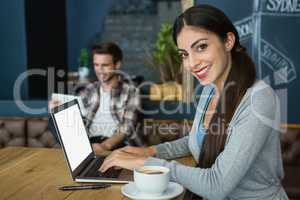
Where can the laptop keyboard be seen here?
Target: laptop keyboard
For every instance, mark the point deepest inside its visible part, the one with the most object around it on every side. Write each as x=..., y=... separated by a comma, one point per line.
x=110, y=173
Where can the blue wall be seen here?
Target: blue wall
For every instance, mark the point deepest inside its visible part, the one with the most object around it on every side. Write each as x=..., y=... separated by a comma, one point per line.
x=12, y=47
x=84, y=20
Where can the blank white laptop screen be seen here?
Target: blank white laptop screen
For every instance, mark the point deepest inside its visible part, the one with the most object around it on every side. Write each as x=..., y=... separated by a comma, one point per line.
x=73, y=134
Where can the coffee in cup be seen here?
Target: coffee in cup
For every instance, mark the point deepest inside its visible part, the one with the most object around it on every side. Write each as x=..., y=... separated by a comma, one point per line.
x=151, y=180
x=150, y=171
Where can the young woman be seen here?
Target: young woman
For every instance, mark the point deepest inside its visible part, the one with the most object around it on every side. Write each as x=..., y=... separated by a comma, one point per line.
x=235, y=134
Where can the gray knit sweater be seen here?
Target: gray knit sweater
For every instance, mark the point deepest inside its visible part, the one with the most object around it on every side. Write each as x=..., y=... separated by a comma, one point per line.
x=250, y=167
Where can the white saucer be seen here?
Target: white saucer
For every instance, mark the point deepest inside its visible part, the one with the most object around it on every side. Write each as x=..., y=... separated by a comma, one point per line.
x=173, y=190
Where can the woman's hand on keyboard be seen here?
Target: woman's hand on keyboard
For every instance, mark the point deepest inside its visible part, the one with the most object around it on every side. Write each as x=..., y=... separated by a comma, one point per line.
x=123, y=159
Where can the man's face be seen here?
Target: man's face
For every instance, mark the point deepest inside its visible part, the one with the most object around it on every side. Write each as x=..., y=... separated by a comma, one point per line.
x=104, y=67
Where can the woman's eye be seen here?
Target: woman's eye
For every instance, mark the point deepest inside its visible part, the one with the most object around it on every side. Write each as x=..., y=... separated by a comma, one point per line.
x=183, y=55
x=201, y=47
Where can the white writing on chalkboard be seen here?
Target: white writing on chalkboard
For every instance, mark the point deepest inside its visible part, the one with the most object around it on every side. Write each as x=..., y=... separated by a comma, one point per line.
x=286, y=6
x=244, y=27
x=277, y=61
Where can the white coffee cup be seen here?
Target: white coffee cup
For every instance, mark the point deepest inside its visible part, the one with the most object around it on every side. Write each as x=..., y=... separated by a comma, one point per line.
x=151, y=180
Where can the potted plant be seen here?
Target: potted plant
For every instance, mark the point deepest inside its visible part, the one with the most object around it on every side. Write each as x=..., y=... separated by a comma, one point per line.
x=83, y=69
x=165, y=58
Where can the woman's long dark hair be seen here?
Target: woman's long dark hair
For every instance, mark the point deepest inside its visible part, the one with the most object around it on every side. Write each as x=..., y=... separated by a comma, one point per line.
x=241, y=76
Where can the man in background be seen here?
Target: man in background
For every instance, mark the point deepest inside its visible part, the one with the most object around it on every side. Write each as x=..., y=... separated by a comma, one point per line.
x=111, y=104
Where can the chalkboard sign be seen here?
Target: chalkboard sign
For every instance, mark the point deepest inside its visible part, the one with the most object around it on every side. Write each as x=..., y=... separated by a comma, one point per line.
x=269, y=29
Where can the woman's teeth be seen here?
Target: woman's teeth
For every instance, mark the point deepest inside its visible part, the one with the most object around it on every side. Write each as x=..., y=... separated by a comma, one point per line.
x=202, y=71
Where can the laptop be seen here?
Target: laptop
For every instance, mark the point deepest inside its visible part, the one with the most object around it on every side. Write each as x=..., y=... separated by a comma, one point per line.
x=81, y=159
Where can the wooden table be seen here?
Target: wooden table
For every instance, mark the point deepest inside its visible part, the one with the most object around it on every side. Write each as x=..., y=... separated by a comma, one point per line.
x=36, y=173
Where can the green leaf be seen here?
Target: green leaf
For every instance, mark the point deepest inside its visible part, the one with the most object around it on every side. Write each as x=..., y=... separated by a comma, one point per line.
x=84, y=57
x=165, y=54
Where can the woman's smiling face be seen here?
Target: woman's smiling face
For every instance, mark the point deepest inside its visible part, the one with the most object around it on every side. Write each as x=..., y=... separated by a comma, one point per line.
x=204, y=54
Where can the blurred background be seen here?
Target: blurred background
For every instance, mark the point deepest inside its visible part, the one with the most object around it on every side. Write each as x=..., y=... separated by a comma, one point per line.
x=46, y=43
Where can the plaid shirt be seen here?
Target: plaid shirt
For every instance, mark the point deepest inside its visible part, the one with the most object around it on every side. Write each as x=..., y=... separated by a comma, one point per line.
x=124, y=105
